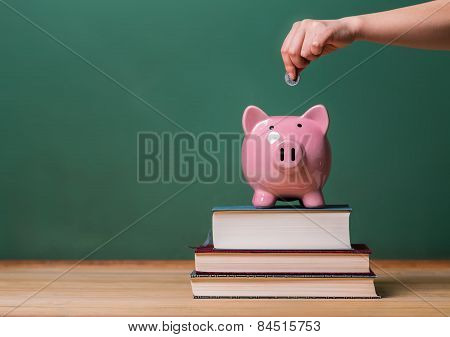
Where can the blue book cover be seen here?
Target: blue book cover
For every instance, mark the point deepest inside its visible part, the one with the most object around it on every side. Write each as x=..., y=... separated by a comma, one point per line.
x=284, y=208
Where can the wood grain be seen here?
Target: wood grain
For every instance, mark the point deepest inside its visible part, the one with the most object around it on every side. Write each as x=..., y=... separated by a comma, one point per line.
x=162, y=288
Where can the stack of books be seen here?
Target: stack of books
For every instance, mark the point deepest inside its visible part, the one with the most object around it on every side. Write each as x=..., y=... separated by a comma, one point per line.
x=282, y=252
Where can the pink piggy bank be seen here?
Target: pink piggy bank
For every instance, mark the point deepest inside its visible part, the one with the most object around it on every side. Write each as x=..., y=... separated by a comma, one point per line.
x=286, y=157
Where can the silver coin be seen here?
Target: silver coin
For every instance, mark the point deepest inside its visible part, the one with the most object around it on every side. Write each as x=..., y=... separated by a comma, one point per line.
x=290, y=82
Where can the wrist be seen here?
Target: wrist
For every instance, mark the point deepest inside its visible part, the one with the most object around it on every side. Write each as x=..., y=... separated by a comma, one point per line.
x=354, y=25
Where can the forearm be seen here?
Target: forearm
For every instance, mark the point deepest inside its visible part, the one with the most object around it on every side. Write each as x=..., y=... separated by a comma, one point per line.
x=425, y=25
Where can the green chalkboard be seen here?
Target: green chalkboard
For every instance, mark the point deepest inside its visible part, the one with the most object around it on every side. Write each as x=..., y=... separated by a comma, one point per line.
x=80, y=80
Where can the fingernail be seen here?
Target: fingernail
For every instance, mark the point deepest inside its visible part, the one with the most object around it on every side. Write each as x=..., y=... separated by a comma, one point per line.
x=292, y=76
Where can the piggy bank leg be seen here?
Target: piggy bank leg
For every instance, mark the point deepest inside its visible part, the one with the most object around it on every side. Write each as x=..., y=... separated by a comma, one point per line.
x=263, y=199
x=313, y=199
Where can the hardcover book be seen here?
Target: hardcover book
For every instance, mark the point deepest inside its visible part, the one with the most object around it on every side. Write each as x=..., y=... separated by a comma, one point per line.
x=355, y=260
x=213, y=285
x=281, y=228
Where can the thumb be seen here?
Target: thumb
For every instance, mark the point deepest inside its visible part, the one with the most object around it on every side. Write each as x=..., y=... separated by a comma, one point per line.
x=320, y=41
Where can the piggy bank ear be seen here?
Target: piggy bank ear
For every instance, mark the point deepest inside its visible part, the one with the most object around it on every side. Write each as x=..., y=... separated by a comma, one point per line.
x=319, y=114
x=252, y=116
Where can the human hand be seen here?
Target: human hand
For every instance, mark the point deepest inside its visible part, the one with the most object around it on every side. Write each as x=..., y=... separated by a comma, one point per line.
x=310, y=39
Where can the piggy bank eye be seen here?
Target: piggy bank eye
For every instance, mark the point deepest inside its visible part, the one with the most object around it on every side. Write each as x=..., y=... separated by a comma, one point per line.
x=271, y=127
x=299, y=125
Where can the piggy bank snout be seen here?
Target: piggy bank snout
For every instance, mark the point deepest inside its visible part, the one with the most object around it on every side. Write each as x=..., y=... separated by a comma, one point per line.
x=287, y=155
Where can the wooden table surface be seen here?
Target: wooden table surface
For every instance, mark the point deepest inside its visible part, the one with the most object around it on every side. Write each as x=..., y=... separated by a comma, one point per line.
x=162, y=288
